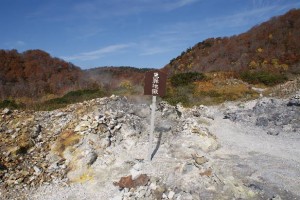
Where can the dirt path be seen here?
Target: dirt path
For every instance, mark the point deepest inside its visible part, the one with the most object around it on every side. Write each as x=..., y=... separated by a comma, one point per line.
x=263, y=162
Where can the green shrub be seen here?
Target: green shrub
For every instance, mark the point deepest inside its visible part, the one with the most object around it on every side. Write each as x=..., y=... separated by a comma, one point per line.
x=267, y=78
x=180, y=94
x=186, y=78
x=10, y=104
x=174, y=100
x=210, y=93
x=69, y=98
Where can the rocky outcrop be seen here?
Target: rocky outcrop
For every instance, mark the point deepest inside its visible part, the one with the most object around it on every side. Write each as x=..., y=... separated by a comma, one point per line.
x=273, y=115
x=103, y=146
x=294, y=101
x=67, y=145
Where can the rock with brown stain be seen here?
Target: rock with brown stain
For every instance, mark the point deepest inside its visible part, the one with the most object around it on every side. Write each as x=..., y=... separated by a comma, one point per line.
x=127, y=182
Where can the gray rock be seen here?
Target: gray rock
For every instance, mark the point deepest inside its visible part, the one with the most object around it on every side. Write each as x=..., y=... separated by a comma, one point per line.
x=187, y=168
x=82, y=126
x=186, y=196
x=200, y=160
x=36, y=130
x=135, y=173
x=276, y=197
x=141, y=193
x=91, y=157
x=37, y=170
x=171, y=194
x=118, y=197
x=294, y=101
x=273, y=132
x=6, y=111
x=262, y=121
x=142, y=112
x=230, y=115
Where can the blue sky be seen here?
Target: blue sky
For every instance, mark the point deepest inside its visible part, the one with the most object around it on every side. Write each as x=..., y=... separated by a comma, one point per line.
x=138, y=33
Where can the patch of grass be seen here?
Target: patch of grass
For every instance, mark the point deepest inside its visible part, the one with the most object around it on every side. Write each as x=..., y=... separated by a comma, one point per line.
x=12, y=104
x=210, y=93
x=128, y=91
x=267, y=78
x=69, y=98
x=181, y=94
x=217, y=89
x=186, y=78
x=224, y=92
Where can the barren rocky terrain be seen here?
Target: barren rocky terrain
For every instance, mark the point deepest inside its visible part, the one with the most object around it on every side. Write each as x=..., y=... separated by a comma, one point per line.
x=98, y=149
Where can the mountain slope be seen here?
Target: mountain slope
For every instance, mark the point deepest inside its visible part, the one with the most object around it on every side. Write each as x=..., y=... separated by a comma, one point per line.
x=273, y=46
x=35, y=73
x=113, y=77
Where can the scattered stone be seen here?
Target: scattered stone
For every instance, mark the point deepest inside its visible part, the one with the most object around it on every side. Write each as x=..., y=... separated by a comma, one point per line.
x=153, y=186
x=82, y=126
x=91, y=157
x=187, y=168
x=137, y=166
x=262, y=121
x=199, y=160
x=231, y=116
x=141, y=180
x=276, y=197
x=2, y=167
x=164, y=196
x=6, y=111
x=118, y=197
x=207, y=172
x=273, y=132
x=294, y=101
x=128, y=182
x=135, y=173
x=36, y=130
x=37, y=170
x=171, y=195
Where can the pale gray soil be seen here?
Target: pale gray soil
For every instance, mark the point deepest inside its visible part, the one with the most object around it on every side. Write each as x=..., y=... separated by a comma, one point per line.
x=200, y=153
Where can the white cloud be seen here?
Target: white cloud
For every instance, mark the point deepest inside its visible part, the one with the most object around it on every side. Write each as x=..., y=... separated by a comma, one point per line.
x=94, y=9
x=93, y=55
x=148, y=51
x=172, y=5
x=15, y=44
x=20, y=43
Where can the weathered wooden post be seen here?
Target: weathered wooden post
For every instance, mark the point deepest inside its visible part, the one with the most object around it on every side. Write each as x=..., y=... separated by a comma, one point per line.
x=155, y=85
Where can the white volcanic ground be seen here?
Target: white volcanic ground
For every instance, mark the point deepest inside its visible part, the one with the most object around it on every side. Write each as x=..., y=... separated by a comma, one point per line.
x=237, y=150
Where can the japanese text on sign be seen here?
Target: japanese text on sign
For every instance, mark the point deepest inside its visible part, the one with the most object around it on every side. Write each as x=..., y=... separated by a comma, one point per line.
x=155, y=82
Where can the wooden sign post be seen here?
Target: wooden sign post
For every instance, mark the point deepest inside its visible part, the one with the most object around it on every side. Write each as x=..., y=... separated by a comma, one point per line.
x=155, y=85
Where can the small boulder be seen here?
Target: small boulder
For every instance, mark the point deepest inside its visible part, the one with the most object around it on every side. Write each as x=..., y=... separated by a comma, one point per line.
x=200, y=160
x=294, y=101
x=262, y=121
x=36, y=130
x=128, y=182
x=6, y=111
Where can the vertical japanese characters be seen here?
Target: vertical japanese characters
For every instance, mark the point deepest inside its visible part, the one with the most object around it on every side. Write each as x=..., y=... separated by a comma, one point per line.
x=155, y=83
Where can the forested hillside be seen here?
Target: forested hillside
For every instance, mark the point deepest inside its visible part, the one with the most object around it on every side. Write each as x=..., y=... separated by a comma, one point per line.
x=272, y=46
x=113, y=77
x=34, y=73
